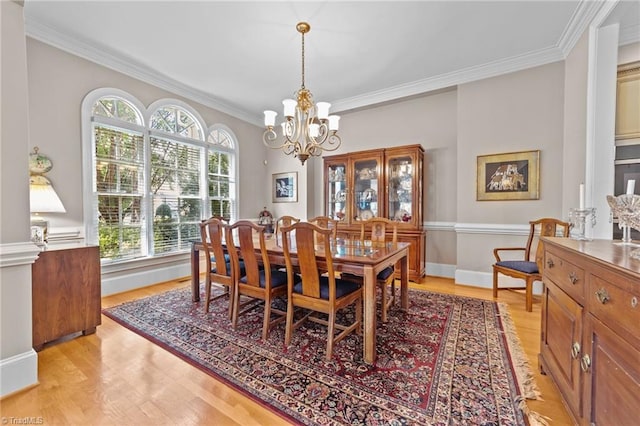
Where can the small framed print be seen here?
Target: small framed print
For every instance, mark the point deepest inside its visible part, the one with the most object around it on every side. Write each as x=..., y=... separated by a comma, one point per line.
x=509, y=176
x=285, y=187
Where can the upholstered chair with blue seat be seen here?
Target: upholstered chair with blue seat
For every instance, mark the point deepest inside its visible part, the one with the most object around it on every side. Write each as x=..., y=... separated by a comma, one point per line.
x=259, y=280
x=316, y=293
x=524, y=266
x=212, y=233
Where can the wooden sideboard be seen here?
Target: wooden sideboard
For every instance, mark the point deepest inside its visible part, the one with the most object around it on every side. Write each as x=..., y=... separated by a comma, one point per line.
x=66, y=293
x=590, y=339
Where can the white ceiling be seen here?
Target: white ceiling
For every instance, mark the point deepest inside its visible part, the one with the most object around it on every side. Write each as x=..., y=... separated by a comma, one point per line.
x=243, y=57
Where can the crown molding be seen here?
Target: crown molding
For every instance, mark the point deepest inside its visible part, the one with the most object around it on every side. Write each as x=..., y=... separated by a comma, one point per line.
x=129, y=66
x=579, y=22
x=582, y=17
x=492, y=69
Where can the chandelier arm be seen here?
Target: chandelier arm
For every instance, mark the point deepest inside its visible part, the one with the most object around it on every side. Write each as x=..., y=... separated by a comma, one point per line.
x=269, y=137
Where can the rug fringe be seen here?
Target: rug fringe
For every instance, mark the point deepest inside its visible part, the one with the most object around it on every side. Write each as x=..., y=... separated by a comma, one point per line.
x=535, y=418
x=526, y=380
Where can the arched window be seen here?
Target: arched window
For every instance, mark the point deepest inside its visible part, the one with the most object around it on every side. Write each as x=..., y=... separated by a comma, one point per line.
x=222, y=172
x=176, y=173
x=152, y=179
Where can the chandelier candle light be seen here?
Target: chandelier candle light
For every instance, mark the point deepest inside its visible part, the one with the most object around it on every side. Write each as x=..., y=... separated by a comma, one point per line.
x=308, y=129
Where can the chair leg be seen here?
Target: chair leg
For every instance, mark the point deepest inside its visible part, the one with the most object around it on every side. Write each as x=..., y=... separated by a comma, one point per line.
x=230, y=292
x=265, y=321
x=236, y=308
x=495, y=283
x=207, y=293
x=529, y=295
x=331, y=332
x=359, y=315
x=289, y=325
x=383, y=287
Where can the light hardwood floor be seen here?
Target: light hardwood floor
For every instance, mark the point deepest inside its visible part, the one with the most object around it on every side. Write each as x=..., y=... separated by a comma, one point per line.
x=117, y=377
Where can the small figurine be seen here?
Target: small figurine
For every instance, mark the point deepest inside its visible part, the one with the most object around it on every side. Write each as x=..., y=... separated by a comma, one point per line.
x=265, y=218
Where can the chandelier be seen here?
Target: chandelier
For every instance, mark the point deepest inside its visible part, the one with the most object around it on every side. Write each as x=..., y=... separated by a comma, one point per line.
x=308, y=129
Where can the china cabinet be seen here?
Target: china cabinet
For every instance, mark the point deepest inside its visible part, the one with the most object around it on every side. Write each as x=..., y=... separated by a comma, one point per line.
x=379, y=183
x=590, y=341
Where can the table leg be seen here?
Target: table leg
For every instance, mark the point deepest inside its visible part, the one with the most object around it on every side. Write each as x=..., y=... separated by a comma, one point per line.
x=195, y=274
x=369, y=344
x=404, y=281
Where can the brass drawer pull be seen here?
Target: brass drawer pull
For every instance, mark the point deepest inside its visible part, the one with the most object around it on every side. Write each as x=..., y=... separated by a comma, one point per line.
x=634, y=301
x=585, y=363
x=573, y=277
x=602, y=296
x=550, y=263
x=575, y=350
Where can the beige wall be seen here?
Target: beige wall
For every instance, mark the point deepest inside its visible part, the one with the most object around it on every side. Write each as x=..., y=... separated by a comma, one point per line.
x=59, y=81
x=520, y=111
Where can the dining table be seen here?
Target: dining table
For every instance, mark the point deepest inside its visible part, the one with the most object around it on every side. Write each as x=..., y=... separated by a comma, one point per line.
x=351, y=256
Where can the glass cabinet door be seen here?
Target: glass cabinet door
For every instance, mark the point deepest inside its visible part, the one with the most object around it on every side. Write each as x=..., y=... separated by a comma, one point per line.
x=401, y=192
x=366, y=190
x=336, y=195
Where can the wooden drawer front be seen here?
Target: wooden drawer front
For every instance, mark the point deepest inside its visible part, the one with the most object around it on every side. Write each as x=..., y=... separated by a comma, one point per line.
x=566, y=275
x=616, y=306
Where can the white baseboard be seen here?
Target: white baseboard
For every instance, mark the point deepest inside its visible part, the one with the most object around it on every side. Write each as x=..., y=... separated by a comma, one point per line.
x=485, y=280
x=18, y=372
x=118, y=283
x=441, y=270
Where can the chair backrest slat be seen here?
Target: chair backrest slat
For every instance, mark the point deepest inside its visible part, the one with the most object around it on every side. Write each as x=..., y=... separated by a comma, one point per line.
x=376, y=229
x=304, y=235
x=211, y=233
x=325, y=222
x=285, y=221
x=241, y=238
x=545, y=227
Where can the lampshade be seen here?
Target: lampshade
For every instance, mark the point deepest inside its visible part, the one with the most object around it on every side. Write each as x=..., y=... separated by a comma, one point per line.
x=43, y=197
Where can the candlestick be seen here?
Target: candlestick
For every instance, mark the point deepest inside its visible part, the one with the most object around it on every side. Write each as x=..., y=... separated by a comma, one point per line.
x=582, y=196
x=631, y=186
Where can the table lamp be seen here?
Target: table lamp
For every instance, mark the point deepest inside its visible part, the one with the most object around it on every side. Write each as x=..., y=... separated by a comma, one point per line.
x=42, y=197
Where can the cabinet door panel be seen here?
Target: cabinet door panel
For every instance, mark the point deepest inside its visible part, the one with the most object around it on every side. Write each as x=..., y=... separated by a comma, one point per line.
x=562, y=328
x=612, y=386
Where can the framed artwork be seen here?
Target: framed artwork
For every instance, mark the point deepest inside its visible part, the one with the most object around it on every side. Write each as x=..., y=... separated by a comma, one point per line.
x=509, y=176
x=285, y=187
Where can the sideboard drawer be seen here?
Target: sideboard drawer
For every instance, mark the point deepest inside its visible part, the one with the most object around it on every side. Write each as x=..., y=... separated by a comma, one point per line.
x=616, y=305
x=566, y=275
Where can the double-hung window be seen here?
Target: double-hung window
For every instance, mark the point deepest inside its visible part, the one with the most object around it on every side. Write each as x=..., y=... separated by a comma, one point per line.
x=153, y=182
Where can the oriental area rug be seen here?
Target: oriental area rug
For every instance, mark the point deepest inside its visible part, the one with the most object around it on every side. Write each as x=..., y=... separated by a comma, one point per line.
x=448, y=360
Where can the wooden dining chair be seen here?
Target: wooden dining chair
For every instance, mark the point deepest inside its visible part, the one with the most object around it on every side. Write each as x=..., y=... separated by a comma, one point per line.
x=285, y=221
x=212, y=233
x=376, y=229
x=259, y=280
x=525, y=267
x=317, y=293
x=325, y=222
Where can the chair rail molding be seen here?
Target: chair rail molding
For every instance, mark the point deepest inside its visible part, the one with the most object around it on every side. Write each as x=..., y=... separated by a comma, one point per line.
x=492, y=228
x=16, y=254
